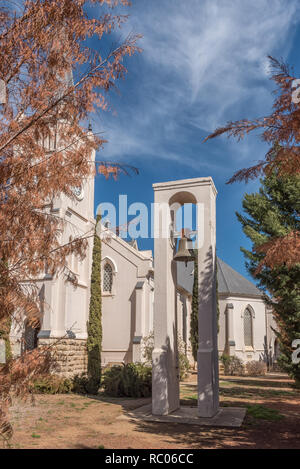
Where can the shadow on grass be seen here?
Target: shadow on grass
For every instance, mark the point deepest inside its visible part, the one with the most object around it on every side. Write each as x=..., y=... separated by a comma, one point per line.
x=248, y=436
x=226, y=389
x=245, y=392
x=255, y=411
x=127, y=403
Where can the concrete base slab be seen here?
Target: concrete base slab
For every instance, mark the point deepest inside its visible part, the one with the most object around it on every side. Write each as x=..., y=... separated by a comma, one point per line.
x=226, y=416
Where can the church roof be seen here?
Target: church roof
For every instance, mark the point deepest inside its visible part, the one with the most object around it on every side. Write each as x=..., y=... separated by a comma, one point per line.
x=230, y=281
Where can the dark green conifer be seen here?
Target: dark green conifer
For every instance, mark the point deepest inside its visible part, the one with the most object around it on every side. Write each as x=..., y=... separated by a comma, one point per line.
x=94, y=341
x=194, y=313
x=270, y=213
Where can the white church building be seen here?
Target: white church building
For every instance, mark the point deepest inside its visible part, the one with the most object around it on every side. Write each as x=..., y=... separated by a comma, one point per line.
x=128, y=283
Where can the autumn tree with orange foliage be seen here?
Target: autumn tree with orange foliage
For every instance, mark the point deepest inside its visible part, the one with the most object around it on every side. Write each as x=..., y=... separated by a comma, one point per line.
x=41, y=43
x=281, y=131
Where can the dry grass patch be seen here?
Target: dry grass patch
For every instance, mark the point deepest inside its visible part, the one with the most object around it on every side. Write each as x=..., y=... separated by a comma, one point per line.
x=75, y=421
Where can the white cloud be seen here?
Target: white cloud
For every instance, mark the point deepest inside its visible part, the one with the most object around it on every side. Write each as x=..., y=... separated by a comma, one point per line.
x=204, y=63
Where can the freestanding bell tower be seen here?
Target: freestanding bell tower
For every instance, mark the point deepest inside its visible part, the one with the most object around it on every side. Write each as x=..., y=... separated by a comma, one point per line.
x=165, y=377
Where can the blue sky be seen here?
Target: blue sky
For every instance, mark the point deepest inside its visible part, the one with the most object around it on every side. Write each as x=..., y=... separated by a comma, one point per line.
x=204, y=62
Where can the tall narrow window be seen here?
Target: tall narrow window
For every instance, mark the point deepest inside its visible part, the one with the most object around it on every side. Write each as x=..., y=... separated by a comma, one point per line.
x=31, y=336
x=248, y=328
x=107, y=278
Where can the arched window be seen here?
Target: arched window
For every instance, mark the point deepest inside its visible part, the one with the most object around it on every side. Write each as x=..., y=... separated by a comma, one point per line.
x=107, y=278
x=248, y=328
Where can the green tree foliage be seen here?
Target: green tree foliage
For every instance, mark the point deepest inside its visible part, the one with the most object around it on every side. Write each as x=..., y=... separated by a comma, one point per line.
x=271, y=213
x=94, y=341
x=217, y=299
x=194, y=312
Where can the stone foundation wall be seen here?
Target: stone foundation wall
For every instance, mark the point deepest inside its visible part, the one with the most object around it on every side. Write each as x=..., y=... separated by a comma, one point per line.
x=70, y=356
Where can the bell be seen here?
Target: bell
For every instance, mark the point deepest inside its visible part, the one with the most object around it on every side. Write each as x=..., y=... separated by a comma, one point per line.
x=183, y=254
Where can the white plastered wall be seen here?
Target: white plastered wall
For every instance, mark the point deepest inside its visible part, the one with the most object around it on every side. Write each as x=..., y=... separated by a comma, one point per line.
x=257, y=352
x=127, y=311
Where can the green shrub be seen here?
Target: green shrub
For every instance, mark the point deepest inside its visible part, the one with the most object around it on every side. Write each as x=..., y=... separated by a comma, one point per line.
x=225, y=359
x=81, y=384
x=184, y=366
x=232, y=365
x=130, y=380
x=148, y=346
x=52, y=384
x=183, y=362
x=256, y=368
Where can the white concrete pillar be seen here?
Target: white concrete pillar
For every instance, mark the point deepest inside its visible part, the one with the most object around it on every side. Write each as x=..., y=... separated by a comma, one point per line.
x=207, y=356
x=58, y=317
x=48, y=304
x=139, y=321
x=165, y=372
x=53, y=321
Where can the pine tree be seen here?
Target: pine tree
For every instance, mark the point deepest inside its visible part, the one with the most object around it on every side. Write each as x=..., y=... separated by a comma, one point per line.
x=271, y=213
x=94, y=341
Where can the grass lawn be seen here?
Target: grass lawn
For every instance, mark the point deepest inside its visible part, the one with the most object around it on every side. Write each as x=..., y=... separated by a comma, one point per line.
x=74, y=421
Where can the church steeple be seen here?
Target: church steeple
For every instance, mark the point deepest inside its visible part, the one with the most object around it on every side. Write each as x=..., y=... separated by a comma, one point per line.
x=66, y=80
